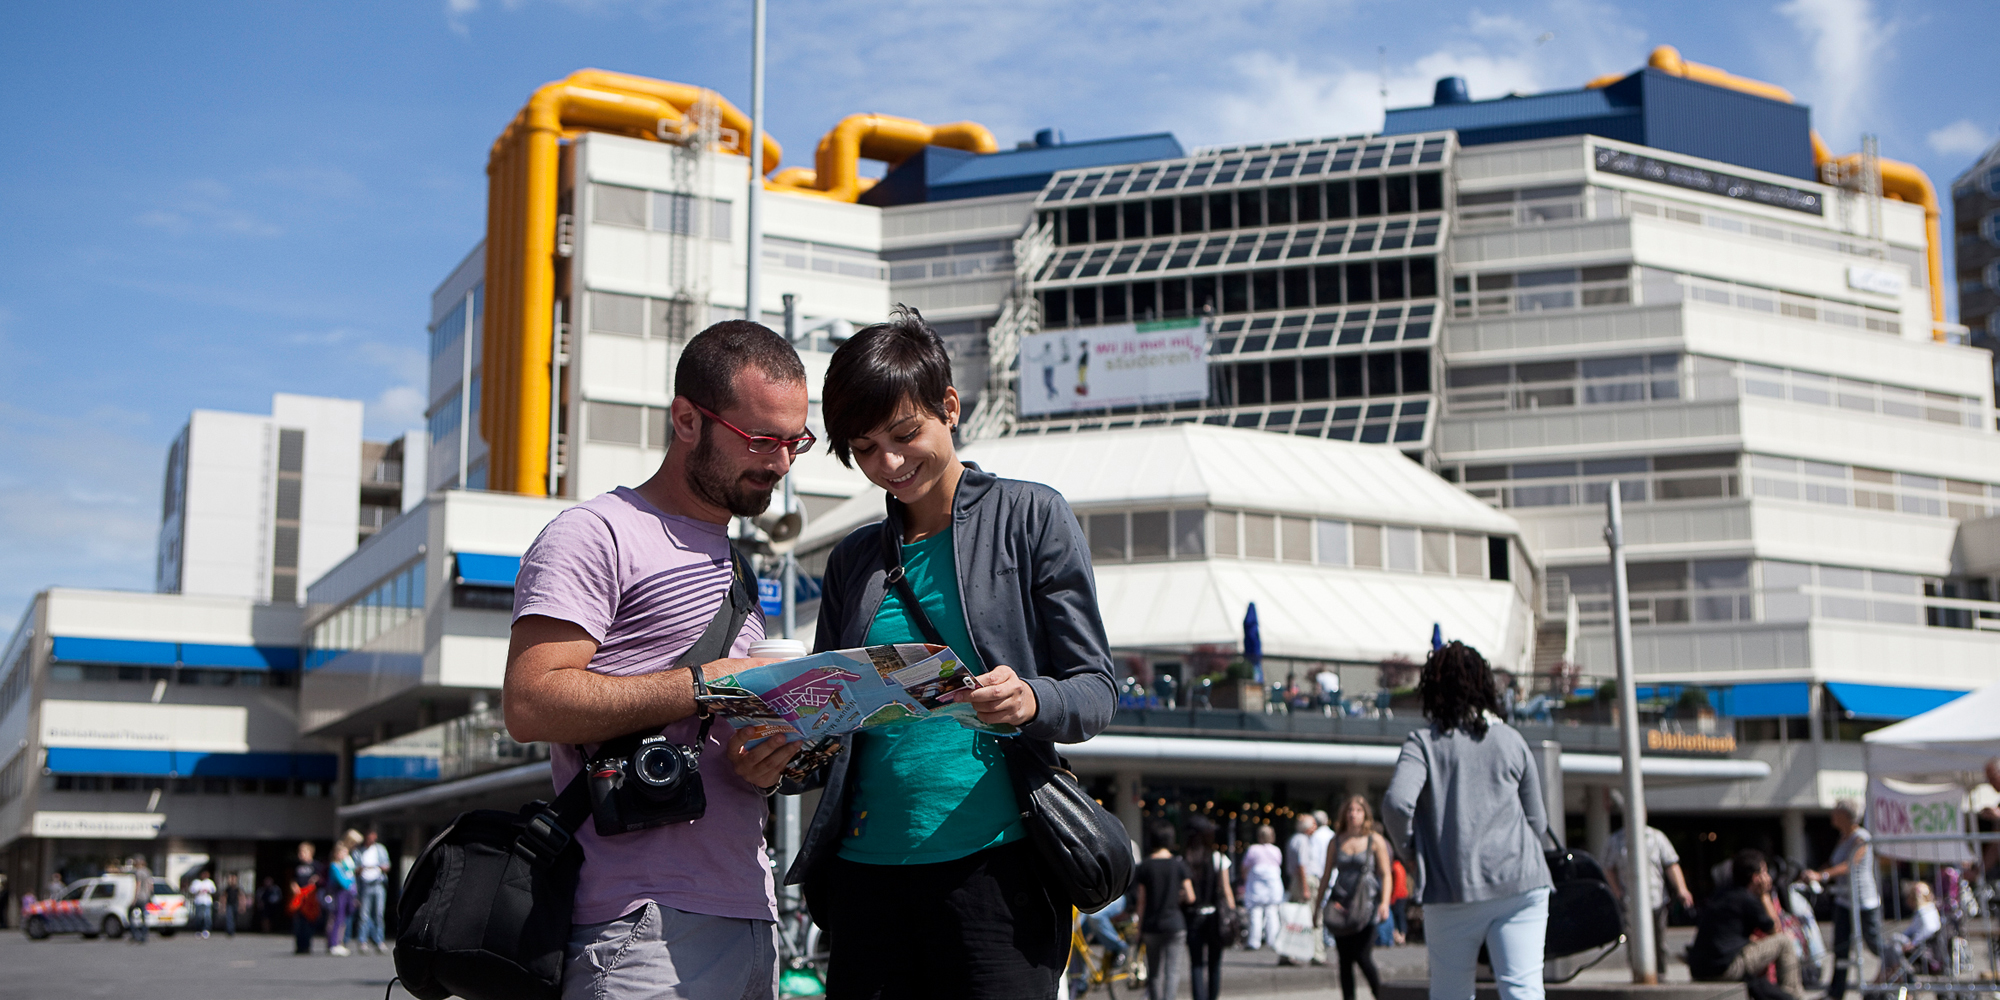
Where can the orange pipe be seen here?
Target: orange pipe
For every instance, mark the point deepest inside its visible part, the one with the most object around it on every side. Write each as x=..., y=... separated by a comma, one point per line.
x=887, y=138
x=1901, y=181
x=522, y=189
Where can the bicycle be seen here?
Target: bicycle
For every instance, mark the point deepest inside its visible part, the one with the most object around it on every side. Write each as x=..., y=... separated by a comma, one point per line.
x=1092, y=965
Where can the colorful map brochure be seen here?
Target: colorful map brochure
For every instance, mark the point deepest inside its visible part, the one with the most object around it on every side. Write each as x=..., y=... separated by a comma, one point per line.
x=817, y=699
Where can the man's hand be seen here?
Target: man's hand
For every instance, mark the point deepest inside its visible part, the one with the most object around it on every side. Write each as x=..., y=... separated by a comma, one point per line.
x=763, y=764
x=1002, y=698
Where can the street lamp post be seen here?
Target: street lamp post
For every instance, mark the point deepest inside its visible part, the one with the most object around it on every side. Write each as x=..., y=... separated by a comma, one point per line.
x=754, y=197
x=1637, y=893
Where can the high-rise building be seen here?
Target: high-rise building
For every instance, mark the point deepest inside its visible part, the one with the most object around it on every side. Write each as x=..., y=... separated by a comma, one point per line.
x=1975, y=209
x=256, y=506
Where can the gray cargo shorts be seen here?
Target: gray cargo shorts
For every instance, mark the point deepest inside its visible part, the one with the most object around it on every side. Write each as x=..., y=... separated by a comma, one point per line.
x=660, y=952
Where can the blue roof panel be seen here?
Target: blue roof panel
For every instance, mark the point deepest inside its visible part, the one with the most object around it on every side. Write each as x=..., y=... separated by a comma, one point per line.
x=940, y=174
x=70, y=649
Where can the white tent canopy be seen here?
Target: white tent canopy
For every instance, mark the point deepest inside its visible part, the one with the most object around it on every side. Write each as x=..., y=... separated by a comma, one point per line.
x=1960, y=735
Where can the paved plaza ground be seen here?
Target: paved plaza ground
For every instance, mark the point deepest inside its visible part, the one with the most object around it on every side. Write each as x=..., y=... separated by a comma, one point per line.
x=262, y=967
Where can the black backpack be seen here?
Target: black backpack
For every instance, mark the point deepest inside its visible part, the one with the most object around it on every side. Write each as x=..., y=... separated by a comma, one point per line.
x=485, y=911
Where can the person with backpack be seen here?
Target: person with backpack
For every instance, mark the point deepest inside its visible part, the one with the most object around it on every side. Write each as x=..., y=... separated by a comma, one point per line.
x=610, y=597
x=920, y=825
x=1465, y=809
x=1213, y=909
x=1357, y=868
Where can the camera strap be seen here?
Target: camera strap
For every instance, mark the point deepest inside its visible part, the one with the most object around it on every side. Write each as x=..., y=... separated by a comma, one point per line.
x=713, y=644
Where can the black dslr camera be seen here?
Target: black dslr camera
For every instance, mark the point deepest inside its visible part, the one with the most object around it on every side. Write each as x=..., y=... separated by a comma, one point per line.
x=654, y=783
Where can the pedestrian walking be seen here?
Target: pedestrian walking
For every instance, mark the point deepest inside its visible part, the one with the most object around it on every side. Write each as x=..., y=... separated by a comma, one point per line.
x=1662, y=866
x=1464, y=808
x=340, y=896
x=232, y=903
x=610, y=600
x=1357, y=867
x=372, y=867
x=1206, y=917
x=142, y=898
x=1264, y=887
x=1162, y=887
x=201, y=892
x=1852, y=872
x=302, y=899
x=918, y=825
x=270, y=905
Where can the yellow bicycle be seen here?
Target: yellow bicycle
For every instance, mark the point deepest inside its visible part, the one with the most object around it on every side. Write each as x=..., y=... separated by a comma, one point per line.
x=1092, y=965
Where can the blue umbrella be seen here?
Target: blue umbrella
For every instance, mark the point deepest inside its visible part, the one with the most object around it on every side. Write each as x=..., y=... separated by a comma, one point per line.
x=1253, y=643
x=1437, y=637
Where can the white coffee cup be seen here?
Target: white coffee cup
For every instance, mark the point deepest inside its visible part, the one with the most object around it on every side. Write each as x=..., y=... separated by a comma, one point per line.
x=777, y=649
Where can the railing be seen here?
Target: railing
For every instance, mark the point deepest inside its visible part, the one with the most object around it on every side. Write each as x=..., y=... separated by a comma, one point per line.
x=457, y=748
x=1793, y=605
x=1566, y=726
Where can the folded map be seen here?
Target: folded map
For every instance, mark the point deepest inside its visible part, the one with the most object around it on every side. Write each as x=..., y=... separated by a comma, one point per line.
x=817, y=699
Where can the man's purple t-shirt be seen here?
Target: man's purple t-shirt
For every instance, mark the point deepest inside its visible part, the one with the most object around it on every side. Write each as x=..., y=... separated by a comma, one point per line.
x=645, y=584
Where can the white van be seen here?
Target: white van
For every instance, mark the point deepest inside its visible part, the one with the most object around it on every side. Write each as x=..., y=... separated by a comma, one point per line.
x=103, y=905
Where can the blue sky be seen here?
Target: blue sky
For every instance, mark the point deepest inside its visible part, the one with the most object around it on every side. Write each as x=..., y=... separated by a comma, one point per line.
x=208, y=203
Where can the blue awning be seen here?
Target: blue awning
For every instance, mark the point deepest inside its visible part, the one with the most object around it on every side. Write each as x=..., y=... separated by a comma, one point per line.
x=135, y=652
x=1755, y=700
x=479, y=570
x=1874, y=701
x=69, y=649
x=192, y=763
x=195, y=654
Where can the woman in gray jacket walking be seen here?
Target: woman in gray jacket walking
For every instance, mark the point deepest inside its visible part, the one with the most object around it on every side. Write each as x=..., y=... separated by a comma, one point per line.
x=1465, y=811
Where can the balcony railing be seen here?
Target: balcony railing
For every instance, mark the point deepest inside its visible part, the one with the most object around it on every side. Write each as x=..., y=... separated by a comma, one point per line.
x=459, y=748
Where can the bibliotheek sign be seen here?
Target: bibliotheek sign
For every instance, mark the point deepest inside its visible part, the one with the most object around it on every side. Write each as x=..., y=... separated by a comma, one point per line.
x=1131, y=364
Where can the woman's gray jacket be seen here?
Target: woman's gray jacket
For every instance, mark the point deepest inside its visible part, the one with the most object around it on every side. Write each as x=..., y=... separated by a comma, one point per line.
x=1030, y=602
x=1466, y=814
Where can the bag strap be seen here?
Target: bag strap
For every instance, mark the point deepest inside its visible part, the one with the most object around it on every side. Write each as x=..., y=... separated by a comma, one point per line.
x=551, y=829
x=892, y=555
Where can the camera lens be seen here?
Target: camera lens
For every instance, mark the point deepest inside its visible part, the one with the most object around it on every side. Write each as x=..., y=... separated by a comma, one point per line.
x=659, y=765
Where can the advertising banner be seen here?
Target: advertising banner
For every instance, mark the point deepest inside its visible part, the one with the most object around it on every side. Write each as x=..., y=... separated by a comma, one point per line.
x=1899, y=809
x=125, y=725
x=1131, y=364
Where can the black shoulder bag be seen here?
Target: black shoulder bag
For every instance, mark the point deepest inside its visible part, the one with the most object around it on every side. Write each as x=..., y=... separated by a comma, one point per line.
x=485, y=911
x=1085, y=849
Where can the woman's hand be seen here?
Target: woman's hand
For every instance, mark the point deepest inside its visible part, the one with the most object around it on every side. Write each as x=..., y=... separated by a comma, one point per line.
x=1382, y=912
x=763, y=764
x=1002, y=698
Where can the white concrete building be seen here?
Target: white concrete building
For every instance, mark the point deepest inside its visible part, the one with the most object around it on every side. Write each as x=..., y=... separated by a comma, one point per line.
x=156, y=724
x=254, y=506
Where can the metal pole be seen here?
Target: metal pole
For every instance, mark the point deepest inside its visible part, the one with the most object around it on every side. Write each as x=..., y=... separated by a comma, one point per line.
x=789, y=575
x=555, y=389
x=754, y=199
x=1637, y=893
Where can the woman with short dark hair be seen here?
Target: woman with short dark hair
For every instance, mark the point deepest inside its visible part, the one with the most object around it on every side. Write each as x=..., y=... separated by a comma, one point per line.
x=1465, y=807
x=916, y=863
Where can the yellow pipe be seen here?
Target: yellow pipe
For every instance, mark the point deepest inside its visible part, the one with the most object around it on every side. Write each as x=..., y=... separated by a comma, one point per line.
x=522, y=188
x=1901, y=181
x=836, y=161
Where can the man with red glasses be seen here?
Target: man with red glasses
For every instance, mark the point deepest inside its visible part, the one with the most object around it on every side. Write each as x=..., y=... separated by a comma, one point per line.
x=610, y=597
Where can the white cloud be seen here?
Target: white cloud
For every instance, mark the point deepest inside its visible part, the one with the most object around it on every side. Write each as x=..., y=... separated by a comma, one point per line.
x=399, y=407
x=1962, y=137
x=204, y=206
x=1277, y=97
x=1847, y=43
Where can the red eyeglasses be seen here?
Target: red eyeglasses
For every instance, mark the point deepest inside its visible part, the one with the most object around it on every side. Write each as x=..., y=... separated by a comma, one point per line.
x=763, y=444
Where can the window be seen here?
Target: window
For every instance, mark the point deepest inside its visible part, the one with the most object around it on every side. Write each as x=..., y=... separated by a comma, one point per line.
x=616, y=205
x=1402, y=548
x=611, y=312
x=1332, y=542
x=1190, y=533
x=1471, y=561
x=1151, y=534
x=614, y=423
x=1368, y=545
x=1107, y=537
x=1226, y=533
x=1295, y=539
x=1260, y=536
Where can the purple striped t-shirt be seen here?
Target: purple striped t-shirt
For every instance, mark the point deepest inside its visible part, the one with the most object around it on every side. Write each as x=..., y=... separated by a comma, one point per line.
x=645, y=584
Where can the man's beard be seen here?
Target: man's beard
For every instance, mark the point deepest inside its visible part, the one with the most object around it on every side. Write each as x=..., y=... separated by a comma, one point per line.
x=710, y=480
